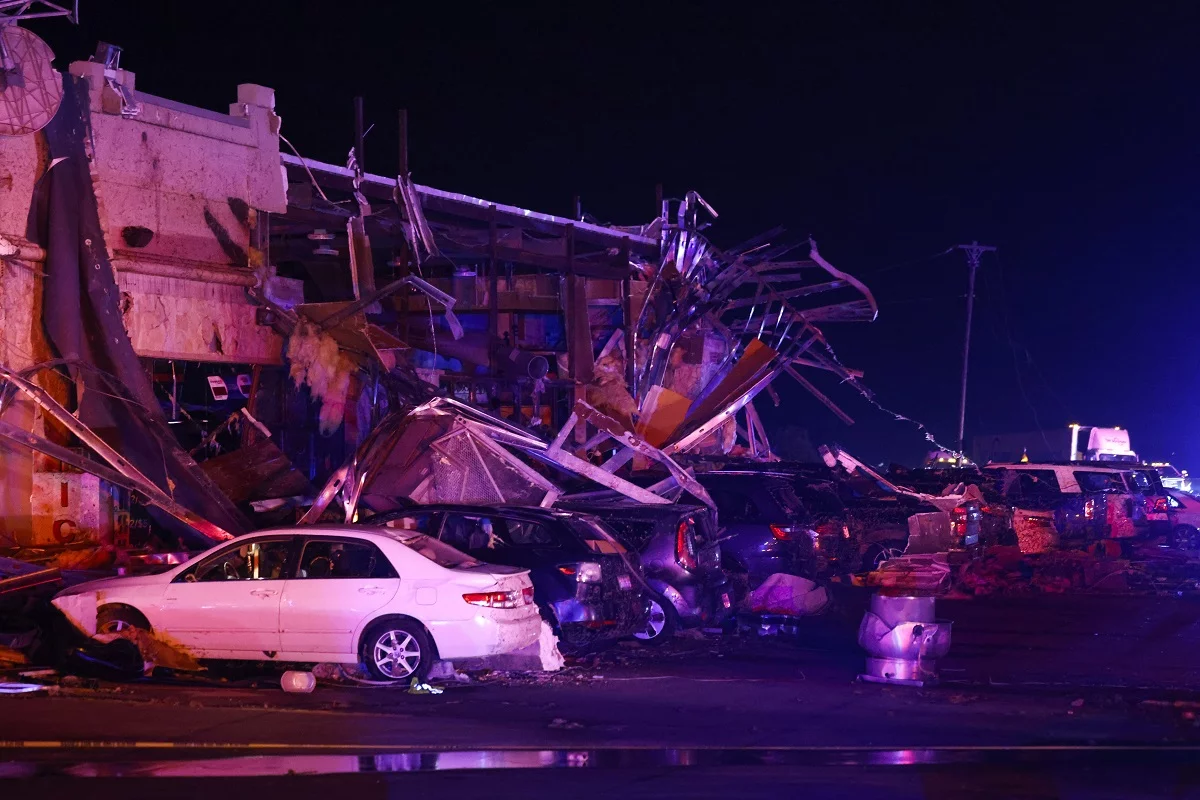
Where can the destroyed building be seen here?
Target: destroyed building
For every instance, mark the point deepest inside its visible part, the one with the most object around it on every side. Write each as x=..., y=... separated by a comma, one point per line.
x=201, y=322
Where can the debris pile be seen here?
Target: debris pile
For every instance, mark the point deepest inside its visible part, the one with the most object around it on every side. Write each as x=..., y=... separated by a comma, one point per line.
x=1006, y=570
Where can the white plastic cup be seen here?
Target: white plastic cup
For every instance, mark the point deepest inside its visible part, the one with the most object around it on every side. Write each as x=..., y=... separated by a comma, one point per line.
x=298, y=682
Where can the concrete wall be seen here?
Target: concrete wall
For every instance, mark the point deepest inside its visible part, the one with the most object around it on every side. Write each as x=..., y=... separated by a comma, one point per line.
x=22, y=161
x=198, y=181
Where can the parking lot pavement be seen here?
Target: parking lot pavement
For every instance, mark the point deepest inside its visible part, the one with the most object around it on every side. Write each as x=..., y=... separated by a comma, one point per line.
x=999, y=688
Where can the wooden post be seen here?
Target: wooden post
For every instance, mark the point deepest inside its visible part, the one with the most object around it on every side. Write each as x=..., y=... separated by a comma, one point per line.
x=493, y=284
x=627, y=314
x=359, y=134
x=403, y=137
x=403, y=298
x=569, y=300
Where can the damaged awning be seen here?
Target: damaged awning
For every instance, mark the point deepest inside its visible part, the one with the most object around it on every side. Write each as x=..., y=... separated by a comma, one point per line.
x=444, y=451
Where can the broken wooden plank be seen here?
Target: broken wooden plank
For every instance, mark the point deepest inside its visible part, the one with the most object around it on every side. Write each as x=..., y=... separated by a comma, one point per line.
x=258, y=472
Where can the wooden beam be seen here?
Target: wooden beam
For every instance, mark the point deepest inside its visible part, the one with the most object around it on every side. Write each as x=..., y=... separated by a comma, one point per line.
x=403, y=139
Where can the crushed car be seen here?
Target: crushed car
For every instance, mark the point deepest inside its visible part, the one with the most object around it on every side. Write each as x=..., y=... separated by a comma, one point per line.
x=766, y=529
x=587, y=585
x=679, y=549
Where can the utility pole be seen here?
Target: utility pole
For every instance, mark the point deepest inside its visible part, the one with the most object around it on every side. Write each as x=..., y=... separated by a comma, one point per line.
x=973, y=250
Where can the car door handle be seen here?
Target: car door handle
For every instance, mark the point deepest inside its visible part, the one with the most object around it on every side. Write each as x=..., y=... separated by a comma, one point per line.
x=370, y=590
x=263, y=592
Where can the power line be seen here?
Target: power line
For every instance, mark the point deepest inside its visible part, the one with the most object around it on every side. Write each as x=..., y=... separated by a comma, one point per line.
x=869, y=396
x=910, y=263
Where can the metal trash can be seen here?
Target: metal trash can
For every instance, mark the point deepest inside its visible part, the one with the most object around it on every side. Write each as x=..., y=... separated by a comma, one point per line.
x=903, y=640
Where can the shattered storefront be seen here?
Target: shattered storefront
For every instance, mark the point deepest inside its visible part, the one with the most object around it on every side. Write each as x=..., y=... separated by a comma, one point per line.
x=201, y=331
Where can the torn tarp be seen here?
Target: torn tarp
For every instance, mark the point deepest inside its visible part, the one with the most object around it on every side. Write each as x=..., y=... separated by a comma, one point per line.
x=82, y=316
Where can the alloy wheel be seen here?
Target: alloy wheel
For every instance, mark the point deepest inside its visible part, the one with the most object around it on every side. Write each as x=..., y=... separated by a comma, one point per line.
x=656, y=620
x=397, y=654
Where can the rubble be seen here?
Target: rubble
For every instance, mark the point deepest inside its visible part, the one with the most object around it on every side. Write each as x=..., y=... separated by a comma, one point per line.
x=787, y=594
x=155, y=651
x=1006, y=570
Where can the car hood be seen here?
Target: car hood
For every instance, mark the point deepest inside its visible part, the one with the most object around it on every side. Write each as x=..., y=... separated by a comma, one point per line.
x=118, y=582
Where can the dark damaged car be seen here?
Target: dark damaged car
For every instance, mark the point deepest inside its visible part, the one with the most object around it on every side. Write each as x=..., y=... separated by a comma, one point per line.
x=856, y=521
x=767, y=530
x=680, y=553
x=588, y=586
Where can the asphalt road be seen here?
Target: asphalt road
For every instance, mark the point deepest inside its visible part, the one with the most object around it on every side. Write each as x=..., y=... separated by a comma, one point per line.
x=1051, y=671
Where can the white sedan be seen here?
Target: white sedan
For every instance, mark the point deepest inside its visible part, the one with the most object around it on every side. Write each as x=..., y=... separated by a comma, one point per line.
x=391, y=600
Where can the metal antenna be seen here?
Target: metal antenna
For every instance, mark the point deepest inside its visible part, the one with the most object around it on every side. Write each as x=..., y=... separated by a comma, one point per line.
x=973, y=250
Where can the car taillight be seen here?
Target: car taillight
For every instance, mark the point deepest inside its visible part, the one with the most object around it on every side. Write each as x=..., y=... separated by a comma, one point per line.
x=499, y=599
x=1089, y=508
x=781, y=533
x=685, y=545
x=527, y=594
x=958, y=521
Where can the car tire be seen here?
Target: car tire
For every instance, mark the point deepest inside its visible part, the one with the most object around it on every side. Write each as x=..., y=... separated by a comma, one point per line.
x=1187, y=539
x=397, y=650
x=661, y=622
x=114, y=619
x=879, y=552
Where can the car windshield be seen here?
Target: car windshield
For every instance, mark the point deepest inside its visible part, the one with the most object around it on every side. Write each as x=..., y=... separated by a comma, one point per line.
x=439, y=553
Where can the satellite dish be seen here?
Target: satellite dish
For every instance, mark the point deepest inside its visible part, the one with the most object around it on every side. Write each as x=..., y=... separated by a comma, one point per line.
x=30, y=88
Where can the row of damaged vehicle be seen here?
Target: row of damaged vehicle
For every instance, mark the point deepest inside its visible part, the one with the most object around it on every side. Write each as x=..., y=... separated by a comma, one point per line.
x=414, y=583
x=403, y=588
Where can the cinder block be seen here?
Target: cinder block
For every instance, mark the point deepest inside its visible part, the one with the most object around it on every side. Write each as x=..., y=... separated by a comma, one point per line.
x=255, y=95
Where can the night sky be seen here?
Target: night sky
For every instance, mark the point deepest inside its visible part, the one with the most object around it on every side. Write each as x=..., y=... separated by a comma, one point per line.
x=1066, y=135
